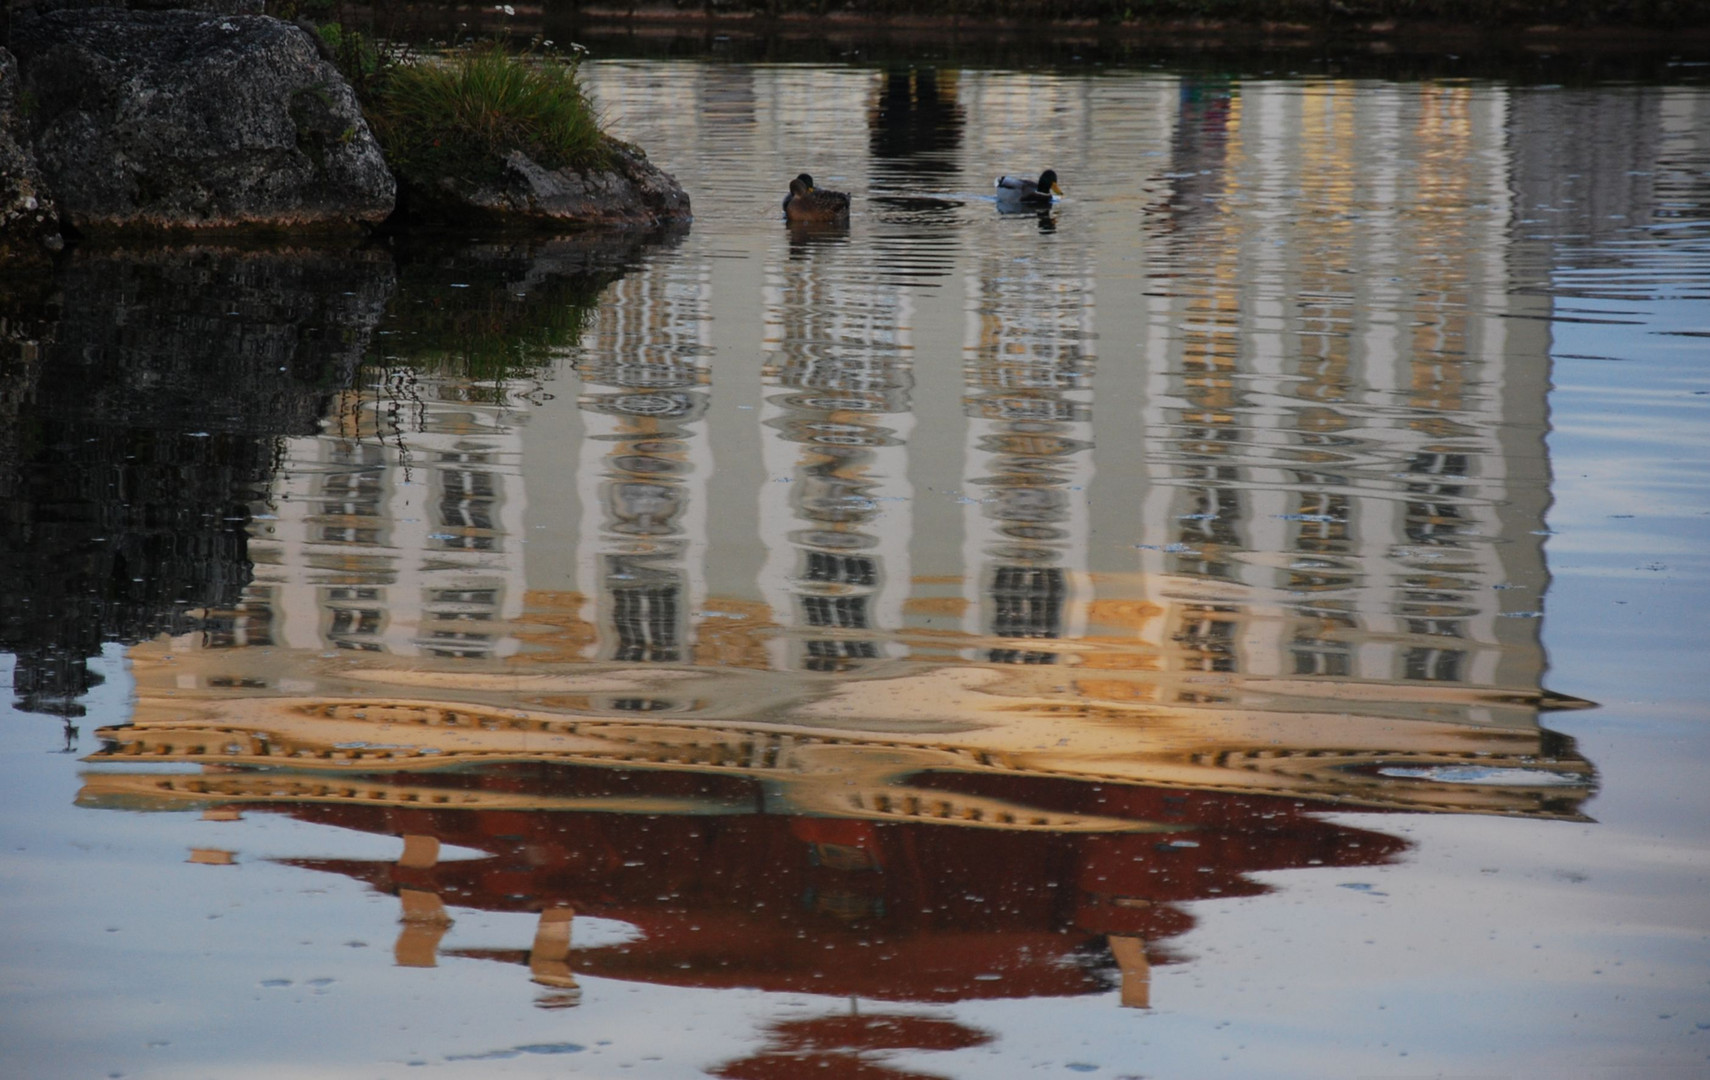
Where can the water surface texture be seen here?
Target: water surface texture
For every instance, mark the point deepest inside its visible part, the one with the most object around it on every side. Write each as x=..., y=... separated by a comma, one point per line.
x=1246, y=619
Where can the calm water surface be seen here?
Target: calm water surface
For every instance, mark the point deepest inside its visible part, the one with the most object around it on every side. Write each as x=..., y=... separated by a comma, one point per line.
x=1248, y=620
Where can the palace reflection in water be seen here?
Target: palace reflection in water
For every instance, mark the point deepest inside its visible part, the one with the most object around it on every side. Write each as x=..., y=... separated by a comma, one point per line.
x=1141, y=550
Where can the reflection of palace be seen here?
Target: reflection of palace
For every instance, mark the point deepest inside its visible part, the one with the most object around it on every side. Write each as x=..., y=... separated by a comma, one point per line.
x=380, y=543
x=1333, y=499
x=644, y=395
x=1275, y=541
x=959, y=683
x=725, y=891
x=835, y=512
x=1028, y=362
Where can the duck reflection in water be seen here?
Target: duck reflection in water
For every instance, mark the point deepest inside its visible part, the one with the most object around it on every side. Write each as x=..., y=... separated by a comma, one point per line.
x=808, y=234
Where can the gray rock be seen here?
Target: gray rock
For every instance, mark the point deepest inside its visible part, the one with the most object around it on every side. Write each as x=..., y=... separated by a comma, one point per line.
x=29, y=220
x=631, y=192
x=186, y=121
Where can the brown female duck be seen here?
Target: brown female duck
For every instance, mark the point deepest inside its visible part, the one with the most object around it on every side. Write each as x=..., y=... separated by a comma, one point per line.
x=807, y=203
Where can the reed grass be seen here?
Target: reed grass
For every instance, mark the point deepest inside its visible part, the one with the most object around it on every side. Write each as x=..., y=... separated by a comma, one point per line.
x=462, y=113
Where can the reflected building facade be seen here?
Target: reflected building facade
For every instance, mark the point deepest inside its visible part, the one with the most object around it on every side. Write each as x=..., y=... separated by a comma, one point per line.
x=642, y=475
x=1028, y=363
x=406, y=546
x=1283, y=503
x=834, y=514
x=1042, y=627
x=1332, y=497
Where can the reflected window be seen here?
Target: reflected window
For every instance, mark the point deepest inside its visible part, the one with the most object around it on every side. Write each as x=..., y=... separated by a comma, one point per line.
x=347, y=594
x=1020, y=656
x=642, y=705
x=1436, y=523
x=468, y=543
x=466, y=499
x=1028, y=602
x=1212, y=526
x=355, y=621
x=1435, y=627
x=645, y=617
x=349, y=534
x=1435, y=515
x=823, y=655
x=350, y=494
x=842, y=905
x=1314, y=656
x=251, y=624
x=1434, y=665
x=464, y=643
x=845, y=612
x=1328, y=614
x=1431, y=463
x=840, y=569
x=1323, y=528
x=1207, y=637
x=480, y=597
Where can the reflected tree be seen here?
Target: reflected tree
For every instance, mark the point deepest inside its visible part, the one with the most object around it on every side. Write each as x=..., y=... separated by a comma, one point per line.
x=145, y=394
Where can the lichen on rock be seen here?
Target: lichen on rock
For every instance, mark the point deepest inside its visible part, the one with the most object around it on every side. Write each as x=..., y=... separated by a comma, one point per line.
x=29, y=219
x=180, y=120
x=625, y=189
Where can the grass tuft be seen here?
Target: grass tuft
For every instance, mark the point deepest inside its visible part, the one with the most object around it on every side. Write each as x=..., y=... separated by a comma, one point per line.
x=461, y=113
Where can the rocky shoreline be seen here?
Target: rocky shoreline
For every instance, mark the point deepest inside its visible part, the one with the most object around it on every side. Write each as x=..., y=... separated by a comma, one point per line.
x=119, y=121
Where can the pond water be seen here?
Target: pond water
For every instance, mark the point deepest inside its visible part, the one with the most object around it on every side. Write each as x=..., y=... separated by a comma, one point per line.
x=1247, y=619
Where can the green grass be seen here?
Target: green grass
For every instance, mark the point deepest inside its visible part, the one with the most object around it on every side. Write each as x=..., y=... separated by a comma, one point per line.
x=462, y=113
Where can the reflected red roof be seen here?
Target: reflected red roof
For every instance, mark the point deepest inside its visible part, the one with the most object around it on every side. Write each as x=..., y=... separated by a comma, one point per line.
x=885, y=910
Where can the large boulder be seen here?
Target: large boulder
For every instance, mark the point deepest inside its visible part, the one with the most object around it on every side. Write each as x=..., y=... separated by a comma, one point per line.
x=628, y=190
x=183, y=120
x=29, y=221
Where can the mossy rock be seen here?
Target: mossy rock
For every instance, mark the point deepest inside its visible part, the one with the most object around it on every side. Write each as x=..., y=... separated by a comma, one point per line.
x=624, y=190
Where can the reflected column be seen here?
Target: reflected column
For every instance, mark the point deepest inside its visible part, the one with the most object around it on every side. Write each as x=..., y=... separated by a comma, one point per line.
x=1028, y=365
x=835, y=513
x=644, y=394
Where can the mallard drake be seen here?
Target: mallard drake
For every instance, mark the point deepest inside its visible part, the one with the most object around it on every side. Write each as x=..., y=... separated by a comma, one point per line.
x=808, y=203
x=1019, y=191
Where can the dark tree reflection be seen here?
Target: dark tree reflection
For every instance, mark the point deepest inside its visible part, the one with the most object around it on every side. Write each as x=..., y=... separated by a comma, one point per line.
x=143, y=396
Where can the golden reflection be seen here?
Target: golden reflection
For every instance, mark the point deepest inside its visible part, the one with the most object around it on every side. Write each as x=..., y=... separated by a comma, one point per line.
x=833, y=767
